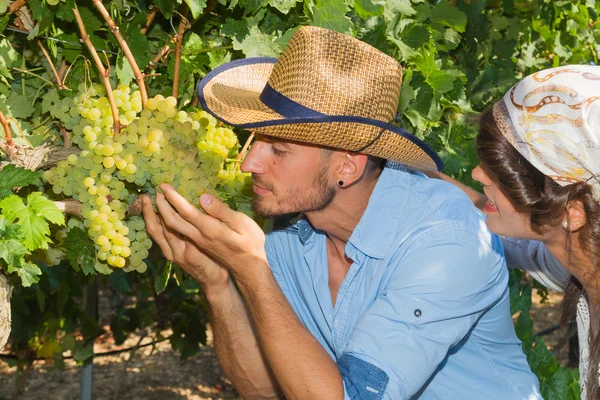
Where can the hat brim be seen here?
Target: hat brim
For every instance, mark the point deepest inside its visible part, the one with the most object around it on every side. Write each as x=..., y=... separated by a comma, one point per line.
x=232, y=94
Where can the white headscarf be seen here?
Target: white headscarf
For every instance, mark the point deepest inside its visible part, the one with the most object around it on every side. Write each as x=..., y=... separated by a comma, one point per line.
x=553, y=119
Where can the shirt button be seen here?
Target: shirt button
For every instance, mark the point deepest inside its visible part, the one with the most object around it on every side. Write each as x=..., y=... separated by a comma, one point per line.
x=417, y=313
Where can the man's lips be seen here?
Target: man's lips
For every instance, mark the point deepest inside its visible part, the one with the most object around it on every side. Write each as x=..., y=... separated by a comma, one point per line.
x=260, y=190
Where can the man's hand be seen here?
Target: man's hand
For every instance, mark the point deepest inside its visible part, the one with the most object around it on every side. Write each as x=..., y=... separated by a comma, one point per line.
x=228, y=237
x=178, y=246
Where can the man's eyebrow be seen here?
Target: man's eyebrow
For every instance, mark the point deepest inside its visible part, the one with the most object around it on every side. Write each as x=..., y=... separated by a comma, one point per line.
x=280, y=142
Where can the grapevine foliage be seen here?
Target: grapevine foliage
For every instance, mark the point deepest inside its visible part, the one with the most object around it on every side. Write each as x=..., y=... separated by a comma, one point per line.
x=459, y=57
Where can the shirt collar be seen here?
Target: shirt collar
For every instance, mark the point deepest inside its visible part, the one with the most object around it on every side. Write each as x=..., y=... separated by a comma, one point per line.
x=377, y=227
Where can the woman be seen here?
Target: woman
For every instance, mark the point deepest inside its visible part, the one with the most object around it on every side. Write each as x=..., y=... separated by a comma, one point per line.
x=540, y=168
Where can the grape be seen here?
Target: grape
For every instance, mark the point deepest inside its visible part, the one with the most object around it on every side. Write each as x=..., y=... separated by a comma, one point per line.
x=158, y=144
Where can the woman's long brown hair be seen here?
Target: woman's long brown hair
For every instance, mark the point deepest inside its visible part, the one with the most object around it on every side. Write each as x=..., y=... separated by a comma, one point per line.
x=545, y=201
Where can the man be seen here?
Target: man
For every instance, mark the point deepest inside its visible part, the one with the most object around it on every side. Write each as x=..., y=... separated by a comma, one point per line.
x=388, y=285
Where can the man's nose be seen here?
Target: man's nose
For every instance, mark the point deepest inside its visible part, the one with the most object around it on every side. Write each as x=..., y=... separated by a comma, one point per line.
x=255, y=160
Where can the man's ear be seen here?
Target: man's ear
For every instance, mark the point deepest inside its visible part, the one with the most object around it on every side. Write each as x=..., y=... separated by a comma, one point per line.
x=350, y=167
x=577, y=215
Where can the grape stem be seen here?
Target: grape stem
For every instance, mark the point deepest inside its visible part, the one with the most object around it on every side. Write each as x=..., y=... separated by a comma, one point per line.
x=74, y=207
x=66, y=137
x=103, y=73
x=58, y=81
x=162, y=53
x=24, y=71
x=7, y=133
x=182, y=26
x=242, y=152
x=139, y=77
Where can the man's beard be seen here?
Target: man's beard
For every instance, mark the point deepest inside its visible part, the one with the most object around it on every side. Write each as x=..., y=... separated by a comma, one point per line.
x=317, y=198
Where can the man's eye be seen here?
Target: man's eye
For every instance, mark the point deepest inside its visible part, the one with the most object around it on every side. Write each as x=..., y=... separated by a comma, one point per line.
x=278, y=153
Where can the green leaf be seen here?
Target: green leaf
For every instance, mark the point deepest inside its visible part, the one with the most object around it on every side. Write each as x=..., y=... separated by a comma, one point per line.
x=64, y=10
x=162, y=277
x=444, y=14
x=284, y=6
x=80, y=251
x=166, y=7
x=17, y=106
x=43, y=207
x=257, y=44
x=441, y=81
x=32, y=218
x=196, y=7
x=366, y=8
x=407, y=93
x=559, y=386
x=252, y=6
x=42, y=15
x=4, y=19
x=331, y=14
x=394, y=8
x=8, y=55
x=140, y=48
x=12, y=177
x=124, y=72
x=92, y=21
x=83, y=353
x=29, y=274
x=12, y=251
x=41, y=299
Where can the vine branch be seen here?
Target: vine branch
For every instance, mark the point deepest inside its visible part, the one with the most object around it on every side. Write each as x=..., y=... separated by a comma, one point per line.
x=103, y=73
x=16, y=5
x=149, y=18
x=183, y=23
x=139, y=77
x=7, y=133
x=56, y=76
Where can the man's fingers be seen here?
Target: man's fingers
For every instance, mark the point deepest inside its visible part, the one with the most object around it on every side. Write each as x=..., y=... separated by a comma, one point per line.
x=207, y=225
x=154, y=227
x=221, y=211
x=174, y=221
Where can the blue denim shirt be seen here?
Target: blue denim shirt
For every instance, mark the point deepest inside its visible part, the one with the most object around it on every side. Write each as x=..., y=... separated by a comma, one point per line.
x=424, y=309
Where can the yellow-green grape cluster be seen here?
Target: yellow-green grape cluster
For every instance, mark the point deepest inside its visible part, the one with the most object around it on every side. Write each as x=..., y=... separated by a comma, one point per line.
x=215, y=145
x=62, y=109
x=158, y=144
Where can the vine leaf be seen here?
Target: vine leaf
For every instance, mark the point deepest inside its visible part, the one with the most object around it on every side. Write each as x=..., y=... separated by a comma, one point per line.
x=32, y=218
x=444, y=14
x=284, y=6
x=80, y=251
x=29, y=273
x=162, y=278
x=257, y=44
x=331, y=14
x=12, y=176
x=196, y=7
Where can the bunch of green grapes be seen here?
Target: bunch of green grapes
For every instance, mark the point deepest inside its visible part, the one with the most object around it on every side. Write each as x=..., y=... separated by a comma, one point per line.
x=62, y=109
x=158, y=144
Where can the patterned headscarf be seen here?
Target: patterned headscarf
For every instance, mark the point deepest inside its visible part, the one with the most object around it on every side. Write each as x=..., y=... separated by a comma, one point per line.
x=553, y=119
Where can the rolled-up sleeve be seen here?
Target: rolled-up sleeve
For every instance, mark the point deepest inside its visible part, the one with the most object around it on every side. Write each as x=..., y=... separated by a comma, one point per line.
x=432, y=300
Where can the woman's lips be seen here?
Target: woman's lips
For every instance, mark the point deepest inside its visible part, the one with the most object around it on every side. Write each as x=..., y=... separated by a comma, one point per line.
x=490, y=207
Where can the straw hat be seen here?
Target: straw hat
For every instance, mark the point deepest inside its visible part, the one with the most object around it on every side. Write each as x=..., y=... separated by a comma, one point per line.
x=326, y=88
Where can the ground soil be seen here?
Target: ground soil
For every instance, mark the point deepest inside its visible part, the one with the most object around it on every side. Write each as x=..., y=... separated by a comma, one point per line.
x=159, y=374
